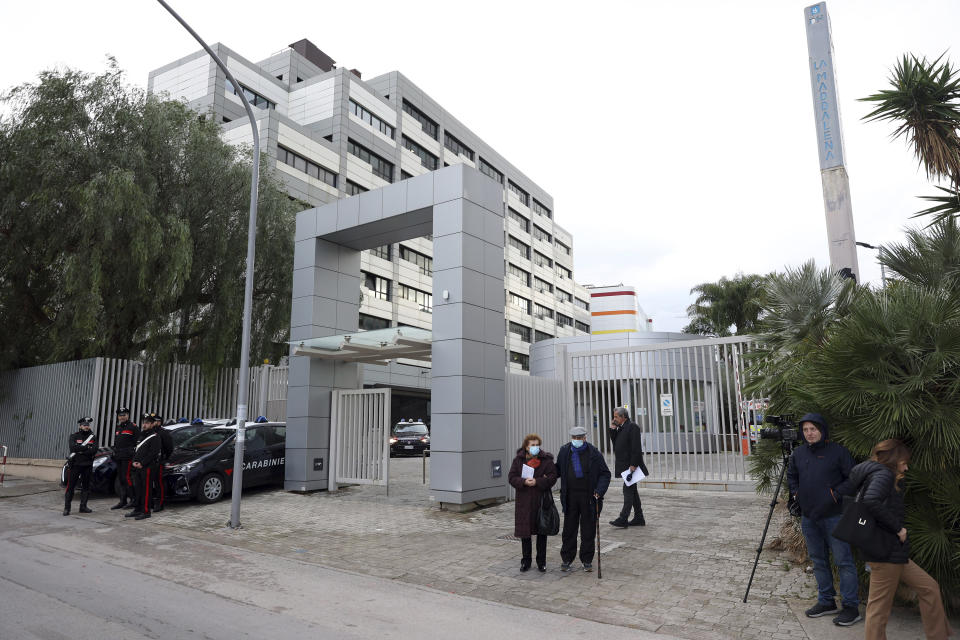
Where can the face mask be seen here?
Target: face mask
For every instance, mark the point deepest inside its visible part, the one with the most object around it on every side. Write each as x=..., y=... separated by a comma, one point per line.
x=577, y=443
x=533, y=449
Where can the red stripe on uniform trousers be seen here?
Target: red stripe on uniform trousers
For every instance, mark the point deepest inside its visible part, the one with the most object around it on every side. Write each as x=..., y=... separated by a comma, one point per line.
x=146, y=494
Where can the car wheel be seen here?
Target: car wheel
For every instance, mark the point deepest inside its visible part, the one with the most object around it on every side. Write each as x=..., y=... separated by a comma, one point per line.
x=116, y=484
x=210, y=489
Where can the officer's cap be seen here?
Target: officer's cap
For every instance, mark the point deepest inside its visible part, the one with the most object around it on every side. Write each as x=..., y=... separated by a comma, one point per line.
x=123, y=411
x=84, y=420
x=578, y=431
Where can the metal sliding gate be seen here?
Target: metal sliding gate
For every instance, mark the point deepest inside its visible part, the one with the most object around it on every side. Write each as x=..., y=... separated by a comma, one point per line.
x=685, y=396
x=359, y=437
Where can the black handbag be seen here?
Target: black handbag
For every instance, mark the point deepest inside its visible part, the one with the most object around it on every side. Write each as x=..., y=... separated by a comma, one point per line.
x=548, y=518
x=859, y=528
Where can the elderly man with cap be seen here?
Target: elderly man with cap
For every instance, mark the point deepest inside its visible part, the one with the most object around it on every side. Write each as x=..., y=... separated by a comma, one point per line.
x=83, y=446
x=584, y=478
x=125, y=438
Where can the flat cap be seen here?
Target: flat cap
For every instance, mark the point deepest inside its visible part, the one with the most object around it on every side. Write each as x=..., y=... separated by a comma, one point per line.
x=578, y=431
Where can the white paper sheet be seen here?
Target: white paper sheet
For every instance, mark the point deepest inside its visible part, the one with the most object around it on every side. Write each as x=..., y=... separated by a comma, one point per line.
x=526, y=471
x=637, y=476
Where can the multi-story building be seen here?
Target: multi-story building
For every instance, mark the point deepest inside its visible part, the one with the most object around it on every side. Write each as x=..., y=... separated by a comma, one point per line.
x=615, y=309
x=330, y=134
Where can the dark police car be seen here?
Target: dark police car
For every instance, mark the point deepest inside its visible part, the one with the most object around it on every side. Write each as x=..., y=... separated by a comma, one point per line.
x=202, y=466
x=409, y=438
x=103, y=478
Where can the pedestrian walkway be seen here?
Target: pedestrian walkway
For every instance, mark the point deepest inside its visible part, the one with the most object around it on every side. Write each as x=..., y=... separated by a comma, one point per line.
x=682, y=575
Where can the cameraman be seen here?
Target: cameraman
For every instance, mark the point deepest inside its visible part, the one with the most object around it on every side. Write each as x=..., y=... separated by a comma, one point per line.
x=814, y=473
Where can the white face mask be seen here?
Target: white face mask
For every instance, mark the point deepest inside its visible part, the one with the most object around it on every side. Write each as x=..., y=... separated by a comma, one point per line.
x=577, y=443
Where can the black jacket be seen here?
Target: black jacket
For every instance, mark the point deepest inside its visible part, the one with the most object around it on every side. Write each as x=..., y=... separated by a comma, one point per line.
x=885, y=502
x=816, y=470
x=166, y=443
x=627, y=447
x=81, y=455
x=148, y=449
x=125, y=439
x=598, y=474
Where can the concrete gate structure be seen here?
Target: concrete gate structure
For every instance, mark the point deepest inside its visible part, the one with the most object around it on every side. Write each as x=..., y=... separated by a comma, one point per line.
x=463, y=210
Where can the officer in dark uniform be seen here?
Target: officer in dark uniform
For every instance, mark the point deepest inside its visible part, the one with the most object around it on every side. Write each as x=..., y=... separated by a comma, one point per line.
x=166, y=448
x=125, y=439
x=144, y=461
x=83, y=446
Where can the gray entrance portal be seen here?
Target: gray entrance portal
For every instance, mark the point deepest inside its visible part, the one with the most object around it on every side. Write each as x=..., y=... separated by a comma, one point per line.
x=463, y=209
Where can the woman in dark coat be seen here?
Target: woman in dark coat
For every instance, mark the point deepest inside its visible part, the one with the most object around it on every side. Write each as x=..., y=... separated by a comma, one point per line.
x=529, y=493
x=879, y=478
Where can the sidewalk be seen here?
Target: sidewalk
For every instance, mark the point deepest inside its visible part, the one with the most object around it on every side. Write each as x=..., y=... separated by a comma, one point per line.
x=683, y=574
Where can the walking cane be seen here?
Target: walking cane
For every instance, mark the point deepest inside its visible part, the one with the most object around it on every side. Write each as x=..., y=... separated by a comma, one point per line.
x=599, y=565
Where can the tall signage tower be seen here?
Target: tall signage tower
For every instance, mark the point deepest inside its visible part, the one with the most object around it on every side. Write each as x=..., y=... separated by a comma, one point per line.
x=833, y=172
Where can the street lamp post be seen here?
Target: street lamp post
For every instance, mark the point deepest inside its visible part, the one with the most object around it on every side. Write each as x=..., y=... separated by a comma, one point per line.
x=244, y=385
x=883, y=270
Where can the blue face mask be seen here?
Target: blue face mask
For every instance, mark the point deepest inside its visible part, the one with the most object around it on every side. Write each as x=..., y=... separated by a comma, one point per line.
x=533, y=449
x=577, y=443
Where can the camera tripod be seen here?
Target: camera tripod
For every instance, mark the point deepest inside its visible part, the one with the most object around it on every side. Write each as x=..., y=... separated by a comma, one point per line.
x=786, y=450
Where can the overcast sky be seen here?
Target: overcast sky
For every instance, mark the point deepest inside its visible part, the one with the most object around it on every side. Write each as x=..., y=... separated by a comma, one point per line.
x=677, y=138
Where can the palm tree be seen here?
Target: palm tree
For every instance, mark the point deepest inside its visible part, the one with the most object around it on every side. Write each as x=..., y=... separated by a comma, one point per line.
x=726, y=307
x=929, y=258
x=925, y=102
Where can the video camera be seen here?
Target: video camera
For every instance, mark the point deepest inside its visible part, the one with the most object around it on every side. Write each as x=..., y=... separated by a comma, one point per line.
x=784, y=429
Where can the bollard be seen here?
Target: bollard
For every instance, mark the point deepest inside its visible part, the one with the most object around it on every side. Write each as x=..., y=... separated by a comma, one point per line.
x=3, y=464
x=424, y=454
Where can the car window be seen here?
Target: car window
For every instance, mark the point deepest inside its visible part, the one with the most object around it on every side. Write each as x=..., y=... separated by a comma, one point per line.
x=256, y=438
x=182, y=435
x=207, y=440
x=274, y=435
x=410, y=430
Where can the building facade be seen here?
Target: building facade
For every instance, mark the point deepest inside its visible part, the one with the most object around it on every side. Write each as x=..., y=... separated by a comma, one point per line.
x=330, y=134
x=615, y=309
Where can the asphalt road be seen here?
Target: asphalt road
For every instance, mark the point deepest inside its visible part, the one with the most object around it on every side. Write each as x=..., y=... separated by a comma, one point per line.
x=67, y=577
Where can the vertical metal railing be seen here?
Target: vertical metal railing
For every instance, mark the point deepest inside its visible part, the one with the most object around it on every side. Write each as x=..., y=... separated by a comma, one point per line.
x=359, y=437
x=699, y=438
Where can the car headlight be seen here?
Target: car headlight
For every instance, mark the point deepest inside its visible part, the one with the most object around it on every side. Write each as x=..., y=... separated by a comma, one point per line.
x=99, y=461
x=181, y=468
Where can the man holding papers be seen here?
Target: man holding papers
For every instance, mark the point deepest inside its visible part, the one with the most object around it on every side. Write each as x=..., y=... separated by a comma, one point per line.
x=628, y=463
x=584, y=478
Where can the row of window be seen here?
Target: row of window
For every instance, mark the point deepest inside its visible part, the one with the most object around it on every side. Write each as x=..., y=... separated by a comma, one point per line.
x=582, y=326
x=300, y=163
x=538, y=232
x=353, y=188
x=254, y=98
x=374, y=121
x=381, y=168
x=490, y=171
x=539, y=208
x=371, y=323
x=522, y=195
x=583, y=304
x=427, y=159
x=424, y=299
x=521, y=274
x=383, y=251
x=429, y=126
x=456, y=146
x=425, y=262
x=519, y=219
x=522, y=359
x=542, y=261
x=542, y=235
x=378, y=286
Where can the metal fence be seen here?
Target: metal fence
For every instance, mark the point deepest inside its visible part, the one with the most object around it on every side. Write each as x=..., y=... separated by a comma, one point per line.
x=39, y=406
x=685, y=396
x=359, y=437
x=535, y=405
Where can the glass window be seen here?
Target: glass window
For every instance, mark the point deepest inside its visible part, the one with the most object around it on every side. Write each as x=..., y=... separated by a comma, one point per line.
x=564, y=321
x=542, y=285
x=520, y=246
x=519, y=302
x=381, y=168
x=542, y=260
x=520, y=193
x=522, y=359
x=429, y=126
x=383, y=251
x=582, y=326
x=539, y=208
x=309, y=167
x=583, y=304
x=520, y=330
x=255, y=99
x=563, y=295
x=371, y=323
x=541, y=234
x=521, y=274
x=456, y=146
x=517, y=217
x=378, y=287
x=353, y=188
x=563, y=248
x=427, y=159
x=562, y=271
x=489, y=170
x=367, y=116
x=423, y=261
x=541, y=310
x=542, y=335
x=422, y=298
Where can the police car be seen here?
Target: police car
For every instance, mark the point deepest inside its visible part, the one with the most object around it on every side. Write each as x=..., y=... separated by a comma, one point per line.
x=103, y=477
x=202, y=467
x=409, y=437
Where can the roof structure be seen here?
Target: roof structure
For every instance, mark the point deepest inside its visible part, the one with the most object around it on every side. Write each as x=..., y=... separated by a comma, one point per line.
x=375, y=347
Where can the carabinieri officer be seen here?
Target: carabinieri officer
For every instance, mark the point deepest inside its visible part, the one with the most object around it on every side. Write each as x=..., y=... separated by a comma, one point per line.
x=83, y=446
x=145, y=457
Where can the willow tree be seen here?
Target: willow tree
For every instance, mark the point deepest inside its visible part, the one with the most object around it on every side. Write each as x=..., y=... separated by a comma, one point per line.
x=123, y=222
